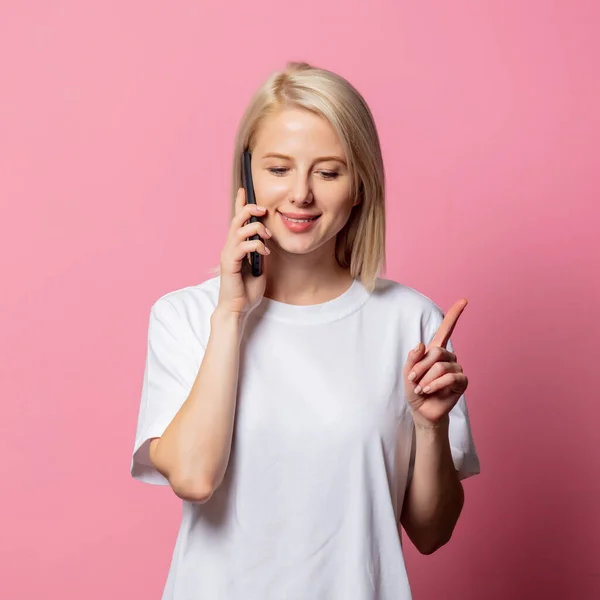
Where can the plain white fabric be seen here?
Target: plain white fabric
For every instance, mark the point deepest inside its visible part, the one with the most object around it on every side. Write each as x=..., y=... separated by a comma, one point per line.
x=310, y=504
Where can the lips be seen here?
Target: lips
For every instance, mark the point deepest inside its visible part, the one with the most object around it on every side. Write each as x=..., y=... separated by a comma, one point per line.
x=298, y=222
x=299, y=217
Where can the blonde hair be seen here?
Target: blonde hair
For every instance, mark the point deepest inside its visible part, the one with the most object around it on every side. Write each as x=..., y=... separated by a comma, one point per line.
x=360, y=246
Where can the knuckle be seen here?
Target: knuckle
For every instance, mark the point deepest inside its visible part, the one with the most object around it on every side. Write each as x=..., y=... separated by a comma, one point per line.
x=439, y=369
x=251, y=228
x=235, y=227
x=244, y=232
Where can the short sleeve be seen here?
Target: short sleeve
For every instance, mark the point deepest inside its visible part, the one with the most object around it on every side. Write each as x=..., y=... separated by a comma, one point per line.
x=172, y=362
x=462, y=444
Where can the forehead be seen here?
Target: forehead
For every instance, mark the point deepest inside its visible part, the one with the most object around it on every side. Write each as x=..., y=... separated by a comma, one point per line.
x=291, y=131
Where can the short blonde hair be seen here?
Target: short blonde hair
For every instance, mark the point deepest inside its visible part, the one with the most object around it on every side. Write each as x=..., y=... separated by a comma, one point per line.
x=360, y=246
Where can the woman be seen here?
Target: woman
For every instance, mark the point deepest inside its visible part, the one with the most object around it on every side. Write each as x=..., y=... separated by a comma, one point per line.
x=300, y=415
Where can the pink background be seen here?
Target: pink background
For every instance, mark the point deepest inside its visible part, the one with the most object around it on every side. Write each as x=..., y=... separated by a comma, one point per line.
x=116, y=128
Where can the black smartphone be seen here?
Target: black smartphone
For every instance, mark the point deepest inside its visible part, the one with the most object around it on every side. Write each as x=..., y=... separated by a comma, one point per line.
x=255, y=258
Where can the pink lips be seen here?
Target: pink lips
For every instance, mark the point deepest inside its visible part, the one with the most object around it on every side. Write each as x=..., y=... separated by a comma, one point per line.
x=298, y=226
x=298, y=215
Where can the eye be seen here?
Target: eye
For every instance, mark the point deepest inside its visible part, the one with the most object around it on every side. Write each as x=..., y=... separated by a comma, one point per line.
x=278, y=171
x=329, y=174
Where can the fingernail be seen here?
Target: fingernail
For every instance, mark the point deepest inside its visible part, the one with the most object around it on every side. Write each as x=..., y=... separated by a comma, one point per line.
x=267, y=250
x=427, y=389
x=261, y=208
x=412, y=376
x=268, y=232
x=418, y=389
x=417, y=348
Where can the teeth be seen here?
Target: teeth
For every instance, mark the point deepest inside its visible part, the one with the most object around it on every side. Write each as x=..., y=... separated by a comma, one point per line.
x=299, y=220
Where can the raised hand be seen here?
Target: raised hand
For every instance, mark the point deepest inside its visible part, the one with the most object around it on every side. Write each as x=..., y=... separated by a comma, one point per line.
x=240, y=292
x=433, y=378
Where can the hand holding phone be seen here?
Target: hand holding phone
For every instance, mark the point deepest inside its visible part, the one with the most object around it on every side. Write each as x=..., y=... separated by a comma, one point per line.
x=256, y=259
x=239, y=291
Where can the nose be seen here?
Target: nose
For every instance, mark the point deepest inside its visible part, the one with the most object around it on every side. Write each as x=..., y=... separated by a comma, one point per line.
x=301, y=192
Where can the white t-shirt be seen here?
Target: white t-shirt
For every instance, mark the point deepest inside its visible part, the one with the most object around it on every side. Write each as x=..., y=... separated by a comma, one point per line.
x=321, y=456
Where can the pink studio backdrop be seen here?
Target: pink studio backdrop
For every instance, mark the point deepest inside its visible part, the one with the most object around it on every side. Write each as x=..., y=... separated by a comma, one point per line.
x=116, y=128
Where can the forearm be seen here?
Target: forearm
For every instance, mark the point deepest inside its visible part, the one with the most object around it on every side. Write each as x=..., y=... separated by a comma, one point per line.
x=435, y=496
x=194, y=450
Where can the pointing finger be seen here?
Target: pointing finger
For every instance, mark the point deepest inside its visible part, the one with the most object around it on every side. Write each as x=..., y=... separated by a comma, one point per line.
x=447, y=326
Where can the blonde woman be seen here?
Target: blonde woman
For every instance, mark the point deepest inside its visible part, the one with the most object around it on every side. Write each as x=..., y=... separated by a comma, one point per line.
x=307, y=415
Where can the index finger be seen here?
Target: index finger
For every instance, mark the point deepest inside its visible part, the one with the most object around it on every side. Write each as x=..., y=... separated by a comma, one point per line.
x=448, y=324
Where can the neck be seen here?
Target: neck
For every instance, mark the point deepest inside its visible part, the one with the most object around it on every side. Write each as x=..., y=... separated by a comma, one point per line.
x=305, y=279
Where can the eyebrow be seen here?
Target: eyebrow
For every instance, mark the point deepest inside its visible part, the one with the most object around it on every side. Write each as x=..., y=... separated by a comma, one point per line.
x=320, y=159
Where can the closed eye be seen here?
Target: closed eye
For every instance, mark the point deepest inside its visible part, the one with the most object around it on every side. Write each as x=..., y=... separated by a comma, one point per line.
x=329, y=174
x=279, y=171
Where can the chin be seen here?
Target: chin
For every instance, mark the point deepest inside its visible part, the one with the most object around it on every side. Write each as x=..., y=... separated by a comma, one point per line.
x=297, y=248
x=300, y=246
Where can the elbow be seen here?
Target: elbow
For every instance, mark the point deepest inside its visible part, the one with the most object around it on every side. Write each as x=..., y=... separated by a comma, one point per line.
x=192, y=489
x=442, y=534
x=431, y=546
x=185, y=486
x=431, y=541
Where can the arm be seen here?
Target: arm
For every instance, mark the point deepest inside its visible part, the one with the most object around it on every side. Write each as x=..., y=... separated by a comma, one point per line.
x=193, y=452
x=435, y=496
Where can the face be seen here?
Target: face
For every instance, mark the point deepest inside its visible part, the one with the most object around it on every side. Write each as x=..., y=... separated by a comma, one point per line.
x=301, y=177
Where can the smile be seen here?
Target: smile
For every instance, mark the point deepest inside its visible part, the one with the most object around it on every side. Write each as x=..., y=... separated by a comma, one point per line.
x=298, y=223
x=299, y=220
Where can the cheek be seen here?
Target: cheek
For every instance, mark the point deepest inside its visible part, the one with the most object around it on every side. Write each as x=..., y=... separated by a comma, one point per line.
x=268, y=189
x=339, y=203
x=342, y=217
